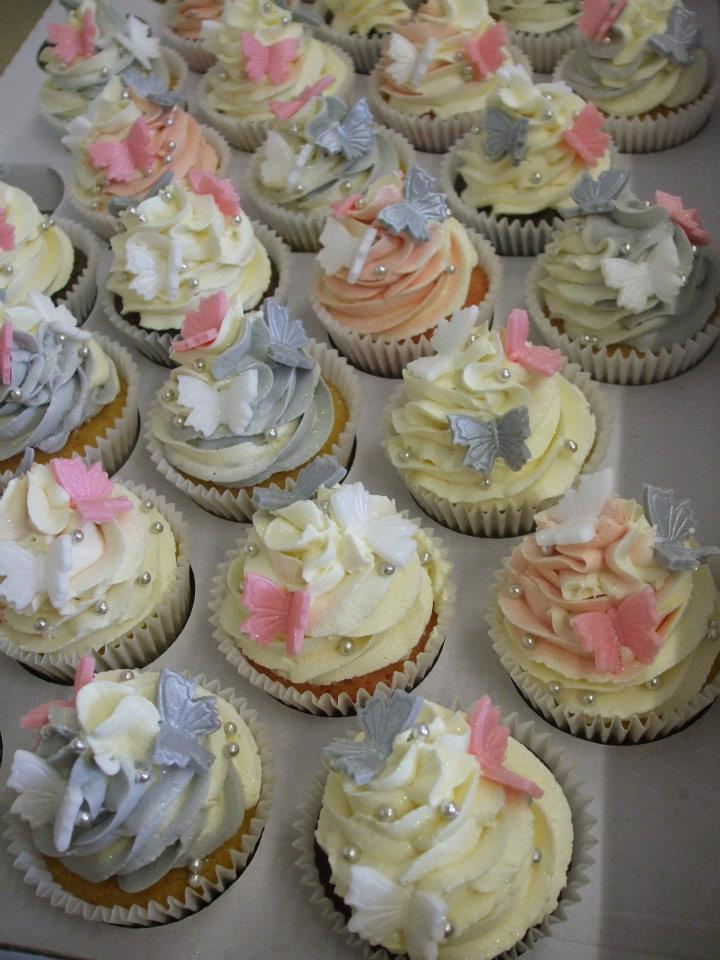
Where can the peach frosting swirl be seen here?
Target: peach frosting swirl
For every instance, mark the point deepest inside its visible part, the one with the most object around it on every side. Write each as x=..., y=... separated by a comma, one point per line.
x=186, y=19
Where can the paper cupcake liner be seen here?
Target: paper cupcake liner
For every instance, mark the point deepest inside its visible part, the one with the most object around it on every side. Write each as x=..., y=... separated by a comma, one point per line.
x=107, y=225
x=635, y=368
x=146, y=640
x=36, y=874
x=545, y=50
x=236, y=504
x=193, y=52
x=155, y=344
x=412, y=672
x=248, y=134
x=43, y=183
x=640, y=728
x=554, y=758
x=365, y=51
x=387, y=358
x=430, y=134
x=80, y=298
x=646, y=133
x=508, y=520
x=300, y=229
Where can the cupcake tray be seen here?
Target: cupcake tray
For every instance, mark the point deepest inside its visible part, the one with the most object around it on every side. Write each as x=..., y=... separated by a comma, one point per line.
x=653, y=891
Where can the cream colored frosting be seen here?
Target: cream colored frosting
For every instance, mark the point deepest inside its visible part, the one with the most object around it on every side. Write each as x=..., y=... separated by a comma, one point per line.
x=536, y=16
x=192, y=240
x=499, y=865
x=187, y=16
x=363, y=17
x=324, y=548
x=35, y=514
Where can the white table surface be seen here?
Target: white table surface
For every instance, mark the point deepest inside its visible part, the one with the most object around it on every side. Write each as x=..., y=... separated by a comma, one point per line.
x=653, y=891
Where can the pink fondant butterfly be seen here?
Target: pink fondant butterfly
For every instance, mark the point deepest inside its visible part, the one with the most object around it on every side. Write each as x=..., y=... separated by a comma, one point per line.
x=275, y=612
x=7, y=232
x=90, y=490
x=631, y=624
x=485, y=54
x=586, y=136
x=6, y=342
x=687, y=220
x=541, y=360
x=342, y=208
x=598, y=17
x=38, y=716
x=284, y=109
x=122, y=158
x=202, y=326
x=488, y=744
x=70, y=42
x=222, y=191
x=271, y=61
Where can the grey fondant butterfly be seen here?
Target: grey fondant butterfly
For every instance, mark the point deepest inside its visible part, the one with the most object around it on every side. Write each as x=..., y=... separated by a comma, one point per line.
x=674, y=522
x=287, y=337
x=323, y=472
x=504, y=136
x=151, y=88
x=118, y=204
x=381, y=720
x=182, y=721
x=682, y=36
x=420, y=205
x=489, y=439
x=339, y=130
x=297, y=12
x=598, y=196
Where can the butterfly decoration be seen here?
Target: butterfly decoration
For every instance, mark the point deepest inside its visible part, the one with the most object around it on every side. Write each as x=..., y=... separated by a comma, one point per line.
x=121, y=158
x=56, y=316
x=683, y=35
x=40, y=788
x=201, y=327
x=489, y=440
x=486, y=54
x=6, y=344
x=687, y=220
x=449, y=340
x=420, y=205
x=285, y=109
x=210, y=407
x=118, y=204
x=338, y=130
x=37, y=717
x=598, y=196
x=540, y=360
x=503, y=136
x=26, y=574
x=287, y=337
x=182, y=720
x=598, y=17
x=222, y=191
x=342, y=208
x=586, y=136
x=488, y=744
x=341, y=248
x=577, y=513
x=90, y=490
x=155, y=262
x=656, y=276
x=280, y=167
x=381, y=907
x=381, y=720
x=674, y=522
x=272, y=61
x=138, y=42
x=323, y=472
x=150, y=87
x=631, y=624
x=390, y=537
x=407, y=65
x=275, y=612
x=7, y=231
x=70, y=42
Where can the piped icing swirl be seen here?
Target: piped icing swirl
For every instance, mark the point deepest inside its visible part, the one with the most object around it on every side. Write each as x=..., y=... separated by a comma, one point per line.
x=363, y=18
x=536, y=16
x=187, y=16
x=139, y=777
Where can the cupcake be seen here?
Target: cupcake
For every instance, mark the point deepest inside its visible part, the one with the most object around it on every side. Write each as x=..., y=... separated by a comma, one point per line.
x=393, y=269
x=543, y=29
x=98, y=42
x=624, y=289
x=275, y=60
x=510, y=178
x=487, y=430
x=88, y=566
x=606, y=617
x=642, y=63
x=38, y=252
x=360, y=27
x=130, y=145
x=317, y=154
x=183, y=30
x=362, y=594
x=252, y=401
x=63, y=391
x=181, y=246
x=442, y=836
x=155, y=793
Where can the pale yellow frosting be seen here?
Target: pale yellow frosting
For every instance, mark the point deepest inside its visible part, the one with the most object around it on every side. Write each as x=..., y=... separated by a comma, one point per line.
x=363, y=17
x=536, y=16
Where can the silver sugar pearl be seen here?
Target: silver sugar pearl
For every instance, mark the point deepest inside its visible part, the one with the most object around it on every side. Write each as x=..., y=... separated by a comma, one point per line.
x=199, y=364
x=404, y=456
x=251, y=549
x=8, y=269
x=536, y=177
x=571, y=446
x=420, y=731
x=41, y=624
x=485, y=483
x=475, y=130
x=16, y=394
x=425, y=558
x=515, y=591
x=683, y=278
x=361, y=203
x=194, y=879
x=195, y=865
x=60, y=338
x=232, y=749
x=285, y=20
x=588, y=340
x=468, y=73
x=346, y=185
x=47, y=224
x=266, y=7
x=171, y=145
x=84, y=351
x=547, y=551
x=654, y=683
x=537, y=856
x=646, y=204
x=125, y=95
x=142, y=775
x=141, y=217
x=299, y=188
x=528, y=642
x=132, y=210
x=178, y=420
x=194, y=282
x=589, y=697
x=167, y=196
x=105, y=72
x=385, y=812
x=387, y=569
x=101, y=608
x=77, y=536
x=271, y=433
x=144, y=579
x=126, y=675
x=448, y=809
x=626, y=249
x=183, y=267
x=350, y=853
x=84, y=817
x=448, y=929
x=230, y=728
x=238, y=218
x=168, y=395
x=503, y=374
x=157, y=527
x=459, y=56
x=78, y=744
x=554, y=687
x=167, y=158
x=548, y=114
x=380, y=270
x=294, y=128
x=450, y=268
x=94, y=205
x=472, y=338
x=347, y=646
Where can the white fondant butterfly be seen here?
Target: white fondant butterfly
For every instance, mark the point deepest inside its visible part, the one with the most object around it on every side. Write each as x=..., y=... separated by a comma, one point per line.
x=231, y=405
x=449, y=340
x=391, y=537
x=657, y=276
x=138, y=41
x=155, y=265
x=409, y=66
x=40, y=786
x=281, y=168
x=27, y=574
x=57, y=317
x=577, y=513
x=340, y=248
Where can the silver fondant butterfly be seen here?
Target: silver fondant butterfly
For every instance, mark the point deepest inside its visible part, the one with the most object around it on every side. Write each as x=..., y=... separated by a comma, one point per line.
x=419, y=206
x=323, y=472
x=339, y=130
x=287, y=337
x=674, y=522
x=182, y=720
x=151, y=88
x=489, y=440
x=682, y=36
x=504, y=136
x=598, y=196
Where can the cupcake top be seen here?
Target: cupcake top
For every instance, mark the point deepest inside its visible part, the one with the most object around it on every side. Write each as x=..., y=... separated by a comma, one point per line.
x=490, y=424
x=137, y=776
x=83, y=559
x=536, y=16
x=187, y=242
x=321, y=151
x=608, y=603
x=358, y=580
x=534, y=143
x=97, y=42
x=393, y=263
x=363, y=18
x=186, y=17
x=623, y=270
x=444, y=61
x=637, y=56
x=53, y=377
x=445, y=836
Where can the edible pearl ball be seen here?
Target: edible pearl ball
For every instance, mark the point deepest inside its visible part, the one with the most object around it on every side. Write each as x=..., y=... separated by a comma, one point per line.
x=420, y=731
x=347, y=646
x=146, y=506
x=554, y=687
x=448, y=809
x=387, y=569
x=404, y=456
x=230, y=728
x=350, y=853
x=77, y=536
x=571, y=446
x=537, y=856
x=142, y=776
x=199, y=364
x=271, y=433
x=589, y=697
x=101, y=607
x=195, y=865
x=515, y=591
x=232, y=749
x=385, y=812
x=126, y=675
x=448, y=930
x=503, y=374
x=41, y=624
x=528, y=642
x=144, y=578
x=425, y=558
x=157, y=527
x=654, y=683
x=251, y=549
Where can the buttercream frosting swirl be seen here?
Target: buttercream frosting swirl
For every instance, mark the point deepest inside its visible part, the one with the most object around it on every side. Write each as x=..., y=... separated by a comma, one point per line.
x=363, y=18
x=536, y=16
